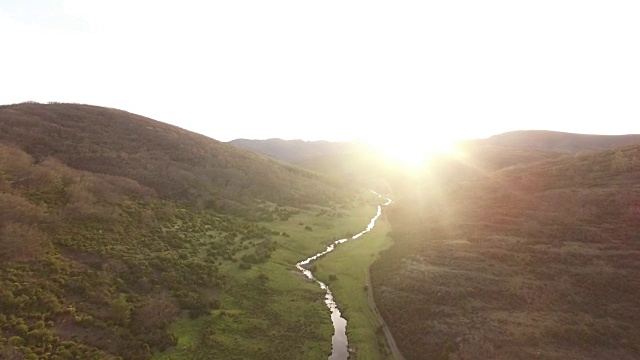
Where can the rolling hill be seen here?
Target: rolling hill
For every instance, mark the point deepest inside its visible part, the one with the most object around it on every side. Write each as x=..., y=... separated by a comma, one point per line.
x=114, y=226
x=363, y=164
x=176, y=163
x=120, y=234
x=535, y=260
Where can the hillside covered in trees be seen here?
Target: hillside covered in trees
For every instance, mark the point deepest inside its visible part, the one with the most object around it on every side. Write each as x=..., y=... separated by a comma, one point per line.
x=533, y=259
x=120, y=234
x=114, y=226
x=175, y=163
x=95, y=266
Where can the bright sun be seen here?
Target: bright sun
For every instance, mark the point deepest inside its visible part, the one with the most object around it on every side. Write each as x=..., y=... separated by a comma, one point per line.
x=413, y=151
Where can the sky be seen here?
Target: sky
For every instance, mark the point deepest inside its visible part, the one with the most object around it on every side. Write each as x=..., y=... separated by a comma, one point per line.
x=414, y=71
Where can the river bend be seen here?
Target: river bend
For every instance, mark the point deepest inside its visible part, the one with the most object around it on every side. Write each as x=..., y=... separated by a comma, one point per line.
x=339, y=341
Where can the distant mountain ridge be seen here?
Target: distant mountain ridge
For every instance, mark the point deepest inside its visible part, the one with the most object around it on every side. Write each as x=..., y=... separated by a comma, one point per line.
x=295, y=151
x=309, y=153
x=367, y=166
x=354, y=162
x=558, y=141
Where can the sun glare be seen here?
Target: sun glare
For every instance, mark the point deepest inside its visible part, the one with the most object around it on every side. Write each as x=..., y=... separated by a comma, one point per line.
x=414, y=152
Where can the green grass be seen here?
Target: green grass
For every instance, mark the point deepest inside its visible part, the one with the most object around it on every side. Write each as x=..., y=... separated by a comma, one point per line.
x=271, y=311
x=350, y=264
x=186, y=330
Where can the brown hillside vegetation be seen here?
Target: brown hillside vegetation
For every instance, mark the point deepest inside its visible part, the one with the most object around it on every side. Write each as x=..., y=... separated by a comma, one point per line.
x=96, y=266
x=176, y=163
x=534, y=261
x=114, y=226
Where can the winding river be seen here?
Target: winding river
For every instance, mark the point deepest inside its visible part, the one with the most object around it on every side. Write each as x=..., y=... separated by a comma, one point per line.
x=339, y=341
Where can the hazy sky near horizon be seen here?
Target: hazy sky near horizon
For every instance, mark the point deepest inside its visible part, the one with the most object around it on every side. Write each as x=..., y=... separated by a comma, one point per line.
x=334, y=70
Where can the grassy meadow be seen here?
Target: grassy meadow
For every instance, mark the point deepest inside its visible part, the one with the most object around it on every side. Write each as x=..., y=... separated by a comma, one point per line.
x=123, y=238
x=349, y=269
x=271, y=311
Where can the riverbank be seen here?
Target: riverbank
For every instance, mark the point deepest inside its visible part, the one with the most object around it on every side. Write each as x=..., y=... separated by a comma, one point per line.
x=345, y=271
x=269, y=311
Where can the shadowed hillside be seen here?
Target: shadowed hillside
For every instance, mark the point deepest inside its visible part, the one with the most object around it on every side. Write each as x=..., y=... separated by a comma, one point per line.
x=538, y=260
x=176, y=163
